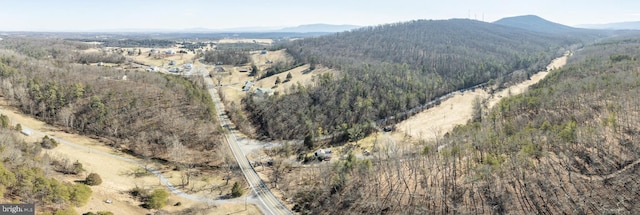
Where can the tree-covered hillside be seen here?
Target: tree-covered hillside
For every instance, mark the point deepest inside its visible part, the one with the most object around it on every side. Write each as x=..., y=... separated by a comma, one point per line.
x=144, y=113
x=389, y=69
x=538, y=24
x=571, y=144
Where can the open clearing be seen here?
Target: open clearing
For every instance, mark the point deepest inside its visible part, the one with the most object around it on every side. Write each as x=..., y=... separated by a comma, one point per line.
x=263, y=61
x=160, y=59
x=233, y=81
x=437, y=121
x=117, y=175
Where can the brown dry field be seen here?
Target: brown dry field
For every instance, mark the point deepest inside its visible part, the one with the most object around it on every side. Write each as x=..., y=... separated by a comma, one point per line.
x=274, y=56
x=158, y=59
x=117, y=174
x=233, y=81
x=161, y=59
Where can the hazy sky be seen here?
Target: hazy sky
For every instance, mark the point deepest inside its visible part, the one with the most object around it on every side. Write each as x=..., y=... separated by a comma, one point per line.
x=51, y=15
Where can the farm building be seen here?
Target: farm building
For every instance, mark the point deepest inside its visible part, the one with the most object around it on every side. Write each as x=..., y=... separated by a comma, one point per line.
x=247, y=85
x=243, y=69
x=263, y=92
x=170, y=51
x=174, y=70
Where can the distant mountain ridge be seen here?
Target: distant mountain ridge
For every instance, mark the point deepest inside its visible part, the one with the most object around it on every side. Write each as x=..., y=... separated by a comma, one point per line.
x=634, y=25
x=310, y=28
x=319, y=28
x=535, y=23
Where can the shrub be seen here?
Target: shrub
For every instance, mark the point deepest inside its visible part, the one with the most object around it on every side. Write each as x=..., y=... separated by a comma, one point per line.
x=77, y=167
x=93, y=179
x=236, y=190
x=157, y=199
x=4, y=121
x=80, y=195
x=66, y=167
x=139, y=192
x=98, y=213
x=49, y=143
x=68, y=211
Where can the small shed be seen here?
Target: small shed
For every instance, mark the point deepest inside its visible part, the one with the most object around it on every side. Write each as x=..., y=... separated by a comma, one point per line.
x=323, y=154
x=26, y=132
x=243, y=69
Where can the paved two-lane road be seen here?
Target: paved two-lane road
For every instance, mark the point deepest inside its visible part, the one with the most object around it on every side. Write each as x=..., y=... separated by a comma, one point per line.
x=270, y=204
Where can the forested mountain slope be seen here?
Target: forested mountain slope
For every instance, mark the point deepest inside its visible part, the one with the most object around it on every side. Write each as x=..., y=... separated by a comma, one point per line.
x=571, y=144
x=535, y=23
x=148, y=114
x=392, y=68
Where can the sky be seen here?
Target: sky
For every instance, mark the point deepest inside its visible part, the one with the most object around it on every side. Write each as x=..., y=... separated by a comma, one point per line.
x=90, y=15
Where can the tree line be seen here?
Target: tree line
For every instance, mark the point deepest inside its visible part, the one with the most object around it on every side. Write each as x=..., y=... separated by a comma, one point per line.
x=227, y=56
x=132, y=43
